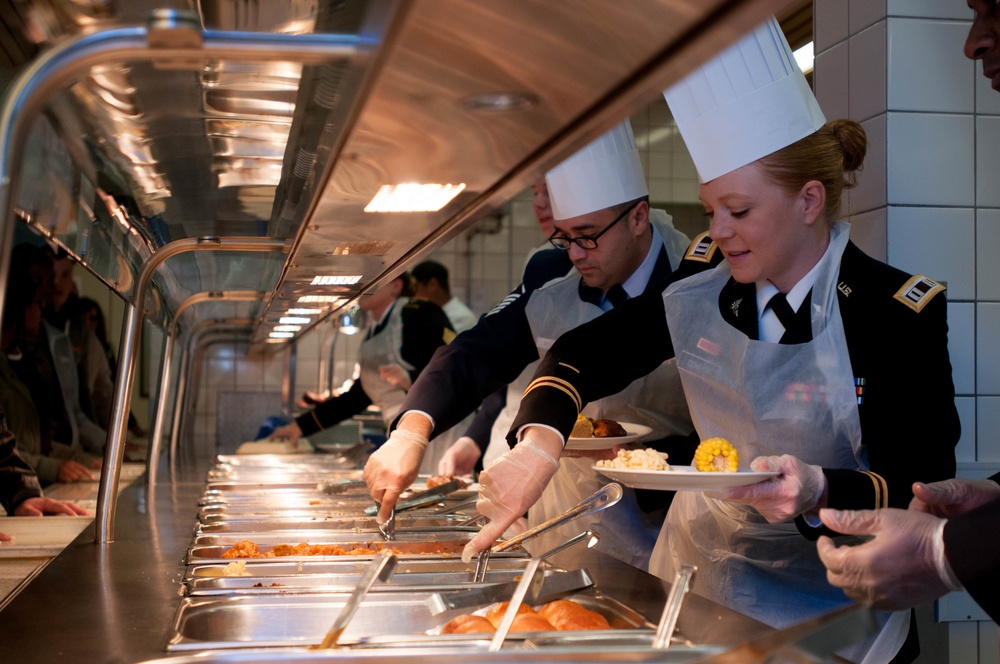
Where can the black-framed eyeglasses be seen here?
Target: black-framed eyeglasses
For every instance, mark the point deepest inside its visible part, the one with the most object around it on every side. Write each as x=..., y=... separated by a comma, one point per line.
x=588, y=242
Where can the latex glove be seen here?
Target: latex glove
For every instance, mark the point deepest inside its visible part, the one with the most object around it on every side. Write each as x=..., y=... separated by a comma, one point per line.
x=393, y=467
x=460, y=458
x=953, y=497
x=396, y=375
x=71, y=471
x=512, y=484
x=42, y=506
x=902, y=566
x=290, y=432
x=798, y=489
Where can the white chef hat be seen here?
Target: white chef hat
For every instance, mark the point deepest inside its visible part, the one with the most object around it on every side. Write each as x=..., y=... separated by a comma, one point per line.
x=605, y=173
x=744, y=104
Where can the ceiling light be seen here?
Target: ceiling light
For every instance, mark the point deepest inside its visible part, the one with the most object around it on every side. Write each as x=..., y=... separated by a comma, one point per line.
x=293, y=320
x=281, y=335
x=336, y=280
x=500, y=101
x=303, y=312
x=275, y=341
x=317, y=299
x=287, y=328
x=413, y=197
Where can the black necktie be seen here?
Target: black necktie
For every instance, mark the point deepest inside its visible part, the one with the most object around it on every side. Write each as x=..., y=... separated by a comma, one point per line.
x=798, y=327
x=616, y=295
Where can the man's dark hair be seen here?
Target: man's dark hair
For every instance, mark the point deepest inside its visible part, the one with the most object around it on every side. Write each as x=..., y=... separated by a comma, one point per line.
x=428, y=270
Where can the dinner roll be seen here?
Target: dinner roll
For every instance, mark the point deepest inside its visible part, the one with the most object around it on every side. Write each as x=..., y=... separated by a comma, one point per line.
x=468, y=624
x=567, y=615
x=526, y=622
x=495, y=614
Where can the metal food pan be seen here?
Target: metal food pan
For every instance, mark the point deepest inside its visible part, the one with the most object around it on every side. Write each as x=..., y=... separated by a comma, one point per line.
x=271, y=538
x=293, y=461
x=256, y=523
x=280, y=497
x=262, y=582
x=425, y=547
x=278, y=567
x=287, y=620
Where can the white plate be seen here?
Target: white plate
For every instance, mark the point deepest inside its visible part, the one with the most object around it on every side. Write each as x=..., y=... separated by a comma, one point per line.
x=682, y=478
x=40, y=536
x=635, y=432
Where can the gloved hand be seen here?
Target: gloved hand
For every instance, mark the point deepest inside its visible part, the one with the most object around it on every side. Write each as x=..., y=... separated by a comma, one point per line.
x=460, y=458
x=902, y=566
x=396, y=375
x=953, y=497
x=393, y=467
x=290, y=432
x=513, y=483
x=797, y=489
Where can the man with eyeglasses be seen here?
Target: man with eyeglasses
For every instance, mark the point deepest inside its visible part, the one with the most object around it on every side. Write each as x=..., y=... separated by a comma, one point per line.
x=618, y=247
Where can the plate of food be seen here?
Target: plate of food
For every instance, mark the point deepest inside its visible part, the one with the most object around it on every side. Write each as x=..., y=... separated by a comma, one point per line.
x=603, y=434
x=716, y=468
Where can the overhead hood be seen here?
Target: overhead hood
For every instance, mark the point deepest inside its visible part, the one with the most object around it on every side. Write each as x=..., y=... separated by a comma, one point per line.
x=225, y=122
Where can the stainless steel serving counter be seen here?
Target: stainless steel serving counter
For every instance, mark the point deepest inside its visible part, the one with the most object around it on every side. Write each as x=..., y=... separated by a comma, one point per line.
x=115, y=602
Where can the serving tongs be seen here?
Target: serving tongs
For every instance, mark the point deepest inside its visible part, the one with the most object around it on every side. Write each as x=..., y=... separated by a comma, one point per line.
x=605, y=497
x=554, y=584
x=335, y=487
x=380, y=569
x=531, y=584
x=672, y=608
x=422, y=498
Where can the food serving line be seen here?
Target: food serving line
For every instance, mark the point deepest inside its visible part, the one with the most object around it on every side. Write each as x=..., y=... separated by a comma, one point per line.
x=164, y=590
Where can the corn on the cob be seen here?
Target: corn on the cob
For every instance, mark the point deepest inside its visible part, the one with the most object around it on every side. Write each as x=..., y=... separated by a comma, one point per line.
x=716, y=455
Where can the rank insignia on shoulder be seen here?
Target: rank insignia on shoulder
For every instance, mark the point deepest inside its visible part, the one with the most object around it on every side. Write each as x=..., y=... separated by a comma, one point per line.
x=701, y=249
x=918, y=291
x=448, y=336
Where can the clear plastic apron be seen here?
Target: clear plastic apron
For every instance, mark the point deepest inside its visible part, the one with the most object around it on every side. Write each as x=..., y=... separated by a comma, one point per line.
x=656, y=400
x=767, y=399
x=384, y=348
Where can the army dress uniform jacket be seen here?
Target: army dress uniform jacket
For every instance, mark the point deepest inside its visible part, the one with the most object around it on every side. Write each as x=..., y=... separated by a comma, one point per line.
x=897, y=339
x=969, y=544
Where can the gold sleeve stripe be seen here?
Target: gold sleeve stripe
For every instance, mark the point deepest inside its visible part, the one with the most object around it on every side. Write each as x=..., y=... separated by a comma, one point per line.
x=881, y=490
x=448, y=336
x=557, y=384
x=316, y=419
x=570, y=367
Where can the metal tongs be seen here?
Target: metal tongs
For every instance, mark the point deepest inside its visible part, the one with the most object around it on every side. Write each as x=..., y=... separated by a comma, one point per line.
x=672, y=608
x=422, y=498
x=380, y=569
x=388, y=529
x=602, y=499
x=531, y=582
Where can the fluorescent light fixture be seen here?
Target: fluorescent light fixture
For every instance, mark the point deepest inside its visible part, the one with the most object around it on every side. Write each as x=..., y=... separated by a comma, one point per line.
x=336, y=280
x=287, y=328
x=275, y=341
x=281, y=335
x=293, y=320
x=303, y=312
x=804, y=57
x=321, y=299
x=413, y=197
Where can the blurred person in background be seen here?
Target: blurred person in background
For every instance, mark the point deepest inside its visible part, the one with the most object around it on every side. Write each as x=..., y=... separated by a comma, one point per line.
x=401, y=331
x=431, y=283
x=21, y=387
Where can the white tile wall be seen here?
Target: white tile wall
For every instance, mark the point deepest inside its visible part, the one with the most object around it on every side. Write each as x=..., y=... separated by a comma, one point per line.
x=962, y=345
x=830, y=23
x=931, y=159
x=870, y=192
x=868, y=231
x=987, y=99
x=938, y=242
x=926, y=68
x=965, y=451
x=988, y=421
x=988, y=350
x=987, y=266
x=865, y=13
x=927, y=8
x=831, y=79
x=988, y=160
x=867, y=83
